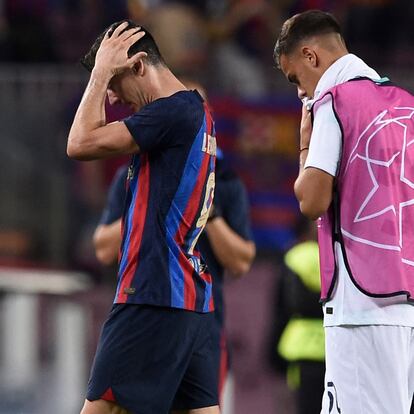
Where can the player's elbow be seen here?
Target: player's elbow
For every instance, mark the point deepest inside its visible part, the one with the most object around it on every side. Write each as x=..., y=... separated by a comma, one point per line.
x=71, y=151
x=237, y=270
x=240, y=267
x=104, y=253
x=314, y=205
x=104, y=257
x=76, y=152
x=311, y=211
x=313, y=201
x=84, y=145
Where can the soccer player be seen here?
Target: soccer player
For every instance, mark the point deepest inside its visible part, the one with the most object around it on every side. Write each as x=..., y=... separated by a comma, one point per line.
x=155, y=348
x=356, y=175
x=225, y=244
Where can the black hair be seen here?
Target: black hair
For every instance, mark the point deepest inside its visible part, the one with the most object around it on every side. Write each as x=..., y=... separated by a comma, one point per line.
x=303, y=26
x=145, y=44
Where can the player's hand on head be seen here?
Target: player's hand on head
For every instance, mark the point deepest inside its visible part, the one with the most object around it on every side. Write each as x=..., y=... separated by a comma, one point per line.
x=112, y=55
x=305, y=127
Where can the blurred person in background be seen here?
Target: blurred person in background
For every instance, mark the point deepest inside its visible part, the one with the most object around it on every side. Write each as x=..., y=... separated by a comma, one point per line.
x=162, y=311
x=233, y=36
x=181, y=37
x=226, y=243
x=298, y=342
x=355, y=132
x=240, y=33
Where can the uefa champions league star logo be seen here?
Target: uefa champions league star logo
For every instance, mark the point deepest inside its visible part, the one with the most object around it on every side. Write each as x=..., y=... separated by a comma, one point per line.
x=388, y=168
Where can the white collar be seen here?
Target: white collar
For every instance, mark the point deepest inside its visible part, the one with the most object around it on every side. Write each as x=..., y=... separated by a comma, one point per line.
x=345, y=68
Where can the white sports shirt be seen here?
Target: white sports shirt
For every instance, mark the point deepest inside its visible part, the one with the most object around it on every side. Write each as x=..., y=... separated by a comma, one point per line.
x=349, y=305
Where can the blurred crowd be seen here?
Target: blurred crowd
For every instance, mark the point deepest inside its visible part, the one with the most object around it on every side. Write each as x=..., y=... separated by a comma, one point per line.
x=224, y=44
x=227, y=44
x=51, y=206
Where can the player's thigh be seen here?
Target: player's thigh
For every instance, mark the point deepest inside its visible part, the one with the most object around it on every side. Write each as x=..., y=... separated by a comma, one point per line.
x=102, y=407
x=360, y=360
x=198, y=389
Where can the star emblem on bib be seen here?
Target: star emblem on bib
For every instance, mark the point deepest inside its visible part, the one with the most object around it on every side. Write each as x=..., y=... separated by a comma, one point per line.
x=384, y=153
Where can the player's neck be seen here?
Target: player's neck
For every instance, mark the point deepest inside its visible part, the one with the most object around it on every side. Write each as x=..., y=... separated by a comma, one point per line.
x=164, y=84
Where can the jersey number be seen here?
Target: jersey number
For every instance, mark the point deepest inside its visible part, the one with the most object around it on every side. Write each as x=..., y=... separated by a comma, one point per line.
x=205, y=211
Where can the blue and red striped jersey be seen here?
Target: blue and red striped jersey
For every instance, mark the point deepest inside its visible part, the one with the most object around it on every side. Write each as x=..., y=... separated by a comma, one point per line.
x=170, y=188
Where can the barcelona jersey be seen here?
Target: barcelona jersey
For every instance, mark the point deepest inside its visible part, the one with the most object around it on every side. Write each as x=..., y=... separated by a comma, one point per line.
x=170, y=189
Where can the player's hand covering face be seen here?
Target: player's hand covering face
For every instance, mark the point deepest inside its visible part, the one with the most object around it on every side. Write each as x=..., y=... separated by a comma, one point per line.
x=112, y=55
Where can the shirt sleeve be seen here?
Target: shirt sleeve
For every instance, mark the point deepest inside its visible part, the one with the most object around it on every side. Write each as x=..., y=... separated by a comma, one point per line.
x=326, y=140
x=116, y=198
x=236, y=209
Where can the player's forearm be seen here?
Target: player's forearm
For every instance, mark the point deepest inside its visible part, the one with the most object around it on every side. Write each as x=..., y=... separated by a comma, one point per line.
x=303, y=155
x=89, y=117
x=107, y=241
x=299, y=187
x=305, y=183
x=233, y=252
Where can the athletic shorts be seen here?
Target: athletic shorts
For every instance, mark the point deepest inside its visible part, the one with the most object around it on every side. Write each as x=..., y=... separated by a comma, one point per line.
x=153, y=359
x=369, y=370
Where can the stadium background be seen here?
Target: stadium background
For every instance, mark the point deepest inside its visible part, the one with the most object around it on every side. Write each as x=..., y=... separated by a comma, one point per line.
x=54, y=293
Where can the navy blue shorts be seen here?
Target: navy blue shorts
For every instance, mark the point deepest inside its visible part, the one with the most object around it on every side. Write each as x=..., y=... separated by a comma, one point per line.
x=152, y=359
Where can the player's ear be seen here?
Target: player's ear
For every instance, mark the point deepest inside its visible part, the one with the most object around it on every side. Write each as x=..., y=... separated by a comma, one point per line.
x=139, y=68
x=138, y=63
x=309, y=55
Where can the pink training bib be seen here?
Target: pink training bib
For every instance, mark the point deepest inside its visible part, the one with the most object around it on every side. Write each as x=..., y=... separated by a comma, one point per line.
x=372, y=215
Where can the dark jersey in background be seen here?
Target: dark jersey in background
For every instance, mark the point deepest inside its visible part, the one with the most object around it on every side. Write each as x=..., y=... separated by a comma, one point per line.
x=231, y=203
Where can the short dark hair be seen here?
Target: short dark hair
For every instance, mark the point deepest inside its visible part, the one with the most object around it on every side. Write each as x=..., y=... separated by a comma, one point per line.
x=145, y=44
x=303, y=26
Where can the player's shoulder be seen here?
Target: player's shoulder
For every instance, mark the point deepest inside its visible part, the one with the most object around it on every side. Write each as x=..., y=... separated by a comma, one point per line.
x=177, y=103
x=182, y=109
x=226, y=176
x=229, y=187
